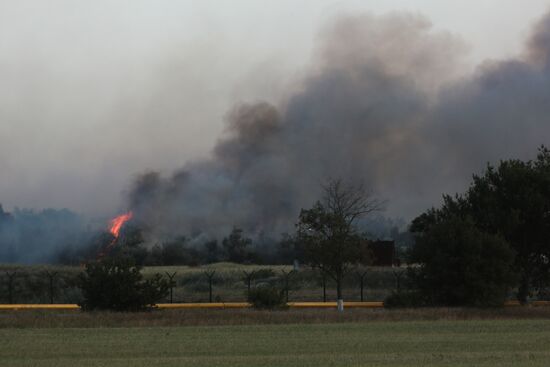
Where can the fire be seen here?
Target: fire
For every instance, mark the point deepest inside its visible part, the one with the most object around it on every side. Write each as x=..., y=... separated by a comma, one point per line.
x=115, y=225
x=118, y=222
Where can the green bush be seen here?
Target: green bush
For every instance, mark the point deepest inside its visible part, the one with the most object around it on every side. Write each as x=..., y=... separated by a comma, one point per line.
x=117, y=284
x=543, y=294
x=267, y=297
x=406, y=299
x=264, y=274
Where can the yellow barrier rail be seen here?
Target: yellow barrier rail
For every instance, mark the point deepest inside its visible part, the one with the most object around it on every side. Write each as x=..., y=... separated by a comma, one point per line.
x=534, y=303
x=232, y=305
x=333, y=304
x=26, y=306
x=219, y=305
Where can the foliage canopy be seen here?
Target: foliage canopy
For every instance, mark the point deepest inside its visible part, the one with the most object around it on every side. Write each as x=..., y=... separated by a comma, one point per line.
x=510, y=201
x=461, y=265
x=328, y=232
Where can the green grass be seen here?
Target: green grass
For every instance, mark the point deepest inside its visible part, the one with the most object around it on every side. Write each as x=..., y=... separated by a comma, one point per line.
x=382, y=343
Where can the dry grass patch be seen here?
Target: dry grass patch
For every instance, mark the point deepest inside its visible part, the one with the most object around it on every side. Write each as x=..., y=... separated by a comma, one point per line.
x=212, y=317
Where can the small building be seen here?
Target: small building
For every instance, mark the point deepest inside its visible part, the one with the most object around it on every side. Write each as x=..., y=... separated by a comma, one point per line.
x=383, y=253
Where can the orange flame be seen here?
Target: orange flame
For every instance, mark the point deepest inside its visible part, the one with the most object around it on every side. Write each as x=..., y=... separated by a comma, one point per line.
x=117, y=223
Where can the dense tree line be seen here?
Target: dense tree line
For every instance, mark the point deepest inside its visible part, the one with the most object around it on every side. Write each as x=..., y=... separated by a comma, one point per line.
x=60, y=236
x=236, y=247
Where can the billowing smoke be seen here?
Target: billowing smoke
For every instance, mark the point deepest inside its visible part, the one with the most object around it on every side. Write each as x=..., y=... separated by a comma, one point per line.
x=383, y=103
x=28, y=236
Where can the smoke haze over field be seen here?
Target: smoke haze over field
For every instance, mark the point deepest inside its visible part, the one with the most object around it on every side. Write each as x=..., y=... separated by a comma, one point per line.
x=93, y=94
x=382, y=104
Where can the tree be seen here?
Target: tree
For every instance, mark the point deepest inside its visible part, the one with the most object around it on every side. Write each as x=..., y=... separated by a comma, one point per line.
x=461, y=266
x=130, y=243
x=211, y=248
x=512, y=201
x=176, y=252
x=236, y=246
x=289, y=250
x=117, y=284
x=328, y=231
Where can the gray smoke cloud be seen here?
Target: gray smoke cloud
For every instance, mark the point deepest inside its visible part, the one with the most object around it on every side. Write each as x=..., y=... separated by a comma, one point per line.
x=28, y=237
x=383, y=103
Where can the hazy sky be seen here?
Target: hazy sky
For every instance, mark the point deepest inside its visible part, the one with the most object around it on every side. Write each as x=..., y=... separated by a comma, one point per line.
x=95, y=92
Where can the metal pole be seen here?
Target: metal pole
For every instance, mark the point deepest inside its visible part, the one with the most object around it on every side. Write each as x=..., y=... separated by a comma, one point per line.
x=248, y=279
x=286, y=279
x=11, y=277
x=362, y=282
x=361, y=289
x=324, y=287
x=398, y=274
x=210, y=276
x=286, y=289
x=171, y=280
x=51, y=276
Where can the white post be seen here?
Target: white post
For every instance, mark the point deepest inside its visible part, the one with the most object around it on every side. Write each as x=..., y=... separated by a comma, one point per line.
x=340, y=304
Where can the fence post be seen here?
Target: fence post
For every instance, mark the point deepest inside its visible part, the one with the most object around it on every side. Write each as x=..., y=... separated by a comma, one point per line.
x=11, y=277
x=324, y=280
x=210, y=276
x=248, y=276
x=172, y=284
x=51, y=277
x=362, y=276
x=398, y=274
x=286, y=278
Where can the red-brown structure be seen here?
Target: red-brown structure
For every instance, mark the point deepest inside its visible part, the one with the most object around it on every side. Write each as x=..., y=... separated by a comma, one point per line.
x=383, y=253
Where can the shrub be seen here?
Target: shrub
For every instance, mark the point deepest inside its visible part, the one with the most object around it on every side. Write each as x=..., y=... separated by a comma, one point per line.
x=264, y=273
x=543, y=294
x=267, y=297
x=407, y=299
x=117, y=284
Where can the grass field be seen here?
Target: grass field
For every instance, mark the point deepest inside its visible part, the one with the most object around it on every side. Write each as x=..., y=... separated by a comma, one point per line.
x=517, y=336
x=511, y=336
x=382, y=343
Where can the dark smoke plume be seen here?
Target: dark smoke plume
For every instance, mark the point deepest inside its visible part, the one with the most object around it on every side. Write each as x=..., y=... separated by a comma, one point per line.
x=383, y=103
x=29, y=237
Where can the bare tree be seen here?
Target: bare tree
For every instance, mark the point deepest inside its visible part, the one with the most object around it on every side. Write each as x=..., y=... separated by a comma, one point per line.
x=329, y=234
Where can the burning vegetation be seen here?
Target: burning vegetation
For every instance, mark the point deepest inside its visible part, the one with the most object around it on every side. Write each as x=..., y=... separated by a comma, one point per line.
x=115, y=226
x=117, y=223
